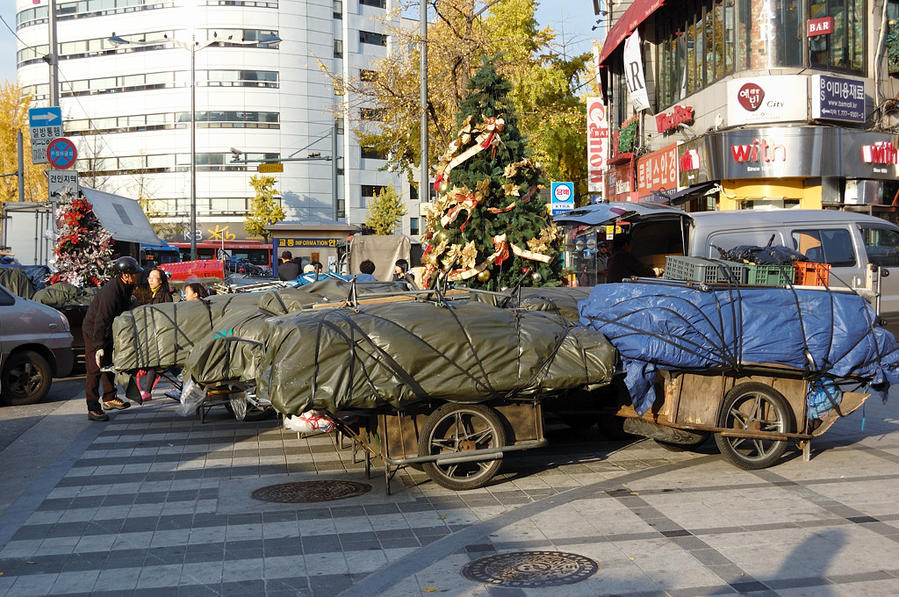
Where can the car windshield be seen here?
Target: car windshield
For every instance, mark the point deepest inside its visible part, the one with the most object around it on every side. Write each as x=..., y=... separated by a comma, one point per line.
x=881, y=245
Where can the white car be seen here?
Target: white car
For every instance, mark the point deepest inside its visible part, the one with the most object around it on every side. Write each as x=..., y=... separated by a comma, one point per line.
x=35, y=347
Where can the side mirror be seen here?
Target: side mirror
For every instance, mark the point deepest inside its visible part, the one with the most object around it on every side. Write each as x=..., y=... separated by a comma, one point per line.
x=884, y=273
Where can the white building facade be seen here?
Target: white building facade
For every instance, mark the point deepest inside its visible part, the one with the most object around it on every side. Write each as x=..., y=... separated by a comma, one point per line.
x=262, y=89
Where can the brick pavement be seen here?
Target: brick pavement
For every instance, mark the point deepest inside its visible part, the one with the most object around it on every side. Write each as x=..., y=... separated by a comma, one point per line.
x=155, y=504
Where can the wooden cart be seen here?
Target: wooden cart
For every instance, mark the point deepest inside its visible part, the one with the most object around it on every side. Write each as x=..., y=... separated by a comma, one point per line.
x=459, y=446
x=753, y=416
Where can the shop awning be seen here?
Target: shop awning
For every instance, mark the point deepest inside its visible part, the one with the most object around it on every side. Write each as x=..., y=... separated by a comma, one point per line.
x=684, y=194
x=638, y=12
x=601, y=213
x=123, y=217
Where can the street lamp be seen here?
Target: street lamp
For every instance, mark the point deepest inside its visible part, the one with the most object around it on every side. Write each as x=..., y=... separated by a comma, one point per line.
x=193, y=47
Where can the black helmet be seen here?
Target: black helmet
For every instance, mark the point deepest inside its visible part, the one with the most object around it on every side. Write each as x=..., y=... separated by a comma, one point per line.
x=126, y=265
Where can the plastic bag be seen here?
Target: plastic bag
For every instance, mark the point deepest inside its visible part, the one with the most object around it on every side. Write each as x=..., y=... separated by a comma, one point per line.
x=192, y=396
x=823, y=396
x=311, y=421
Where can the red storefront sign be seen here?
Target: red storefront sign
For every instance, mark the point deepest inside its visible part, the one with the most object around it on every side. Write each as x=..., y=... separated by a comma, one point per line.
x=657, y=171
x=680, y=115
x=597, y=144
x=883, y=152
x=822, y=26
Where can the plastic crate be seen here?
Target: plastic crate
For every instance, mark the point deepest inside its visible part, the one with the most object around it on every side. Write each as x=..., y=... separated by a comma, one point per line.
x=770, y=275
x=699, y=269
x=811, y=274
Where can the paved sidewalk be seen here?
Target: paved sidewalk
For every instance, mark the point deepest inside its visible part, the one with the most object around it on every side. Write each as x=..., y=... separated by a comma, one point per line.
x=152, y=503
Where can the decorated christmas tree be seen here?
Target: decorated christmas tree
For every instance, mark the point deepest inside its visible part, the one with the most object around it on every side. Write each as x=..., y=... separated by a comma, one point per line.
x=83, y=247
x=489, y=227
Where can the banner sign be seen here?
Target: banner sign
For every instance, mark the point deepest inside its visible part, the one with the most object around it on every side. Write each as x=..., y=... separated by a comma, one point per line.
x=597, y=145
x=767, y=99
x=307, y=243
x=633, y=73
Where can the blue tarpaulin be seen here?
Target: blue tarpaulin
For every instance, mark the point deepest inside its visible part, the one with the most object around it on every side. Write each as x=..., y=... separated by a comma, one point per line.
x=669, y=326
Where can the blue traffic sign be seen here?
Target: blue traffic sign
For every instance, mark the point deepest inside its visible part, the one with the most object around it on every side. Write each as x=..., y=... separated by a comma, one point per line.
x=561, y=197
x=44, y=116
x=61, y=153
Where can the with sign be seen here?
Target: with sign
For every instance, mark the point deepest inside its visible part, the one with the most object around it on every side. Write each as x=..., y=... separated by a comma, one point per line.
x=45, y=124
x=61, y=153
x=562, y=197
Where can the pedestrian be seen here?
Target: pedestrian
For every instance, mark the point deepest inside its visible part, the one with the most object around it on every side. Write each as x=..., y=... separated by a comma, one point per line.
x=319, y=269
x=195, y=291
x=622, y=264
x=287, y=269
x=154, y=292
x=367, y=270
x=112, y=300
x=401, y=274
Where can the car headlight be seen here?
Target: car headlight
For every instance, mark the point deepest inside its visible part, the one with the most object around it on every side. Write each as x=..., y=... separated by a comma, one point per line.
x=64, y=321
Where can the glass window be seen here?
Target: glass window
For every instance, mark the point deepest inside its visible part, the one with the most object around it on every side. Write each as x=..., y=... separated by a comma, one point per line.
x=370, y=37
x=881, y=245
x=338, y=9
x=833, y=246
x=338, y=48
x=844, y=49
x=375, y=3
x=413, y=226
x=372, y=153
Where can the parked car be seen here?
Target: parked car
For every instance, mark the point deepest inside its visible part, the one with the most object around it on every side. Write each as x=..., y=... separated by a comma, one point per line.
x=35, y=347
x=857, y=246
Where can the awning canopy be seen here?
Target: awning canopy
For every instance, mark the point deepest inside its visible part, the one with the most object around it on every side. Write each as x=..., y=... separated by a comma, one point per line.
x=684, y=194
x=638, y=12
x=601, y=213
x=122, y=216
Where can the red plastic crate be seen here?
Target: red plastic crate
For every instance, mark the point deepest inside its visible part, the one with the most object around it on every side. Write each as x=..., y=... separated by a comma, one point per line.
x=811, y=274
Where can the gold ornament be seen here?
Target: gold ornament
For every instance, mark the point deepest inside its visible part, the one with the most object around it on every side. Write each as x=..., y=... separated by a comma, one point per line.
x=536, y=276
x=441, y=236
x=484, y=275
x=469, y=255
x=483, y=186
x=511, y=189
x=451, y=255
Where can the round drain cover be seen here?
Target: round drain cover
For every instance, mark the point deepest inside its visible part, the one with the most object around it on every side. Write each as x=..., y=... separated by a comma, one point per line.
x=301, y=492
x=530, y=569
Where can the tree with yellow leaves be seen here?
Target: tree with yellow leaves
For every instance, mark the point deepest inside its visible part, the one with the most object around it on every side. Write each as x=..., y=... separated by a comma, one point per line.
x=14, y=104
x=545, y=84
x=264, y=209
x=385, y=211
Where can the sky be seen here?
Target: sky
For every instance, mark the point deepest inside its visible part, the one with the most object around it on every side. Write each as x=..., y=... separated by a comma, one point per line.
x=570, y=19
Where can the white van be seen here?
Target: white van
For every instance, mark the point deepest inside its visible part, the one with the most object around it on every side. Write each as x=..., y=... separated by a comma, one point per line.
x=861, y=249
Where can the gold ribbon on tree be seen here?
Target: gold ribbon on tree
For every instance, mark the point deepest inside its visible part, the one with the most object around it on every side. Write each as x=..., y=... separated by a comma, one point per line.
x=488, y=135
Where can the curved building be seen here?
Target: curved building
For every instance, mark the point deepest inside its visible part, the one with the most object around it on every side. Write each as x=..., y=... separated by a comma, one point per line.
x=263, y=93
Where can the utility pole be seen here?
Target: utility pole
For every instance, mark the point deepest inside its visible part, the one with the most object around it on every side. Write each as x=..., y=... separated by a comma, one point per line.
x=193, y=147
x=21, y=166
x=334, y=185
x=424, y=191
x=52, y=57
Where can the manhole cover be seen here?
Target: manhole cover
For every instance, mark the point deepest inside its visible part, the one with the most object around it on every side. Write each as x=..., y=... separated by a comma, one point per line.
x=530, y=569
x=301, y=492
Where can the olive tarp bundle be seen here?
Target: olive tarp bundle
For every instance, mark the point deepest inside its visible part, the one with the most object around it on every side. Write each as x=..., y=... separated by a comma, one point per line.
x=400, y=353
x=163, y=335
x=16, y=281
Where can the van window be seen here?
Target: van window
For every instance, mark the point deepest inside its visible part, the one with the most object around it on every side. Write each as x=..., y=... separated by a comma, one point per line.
x=881, y=245
x=833, y=246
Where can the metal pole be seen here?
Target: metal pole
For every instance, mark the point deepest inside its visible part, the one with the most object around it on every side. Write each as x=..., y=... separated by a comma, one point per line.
x=334, y=185
x=20, y=167
x=52, y=57
x=193, y=148
x=424, y=193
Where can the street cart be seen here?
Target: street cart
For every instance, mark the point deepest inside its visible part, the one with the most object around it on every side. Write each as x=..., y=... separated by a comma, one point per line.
x=753, y=416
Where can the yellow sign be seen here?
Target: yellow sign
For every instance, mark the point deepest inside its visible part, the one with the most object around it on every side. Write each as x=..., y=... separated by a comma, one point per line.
x=274, y=167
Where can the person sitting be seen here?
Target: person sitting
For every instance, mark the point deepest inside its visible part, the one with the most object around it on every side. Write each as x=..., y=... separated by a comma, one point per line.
x=155, y=289
x=401, y=274
x=288, y=270
x=367, y=269
x=195, y=291
x=622, y=264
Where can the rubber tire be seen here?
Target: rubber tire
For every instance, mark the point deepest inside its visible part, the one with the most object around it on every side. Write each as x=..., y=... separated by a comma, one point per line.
x=672, y=447
x=15, y=367
x=487, y=468
x=784, y=414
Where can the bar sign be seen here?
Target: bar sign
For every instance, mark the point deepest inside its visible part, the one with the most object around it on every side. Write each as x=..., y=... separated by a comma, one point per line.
x=822, y=26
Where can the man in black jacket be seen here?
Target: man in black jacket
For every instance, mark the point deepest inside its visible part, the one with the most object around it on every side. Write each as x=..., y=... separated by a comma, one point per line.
x=112, y=300
x=287, y=269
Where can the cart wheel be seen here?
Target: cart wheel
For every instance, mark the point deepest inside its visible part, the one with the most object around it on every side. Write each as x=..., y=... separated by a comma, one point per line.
x=460, y=428
x=756, y=407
